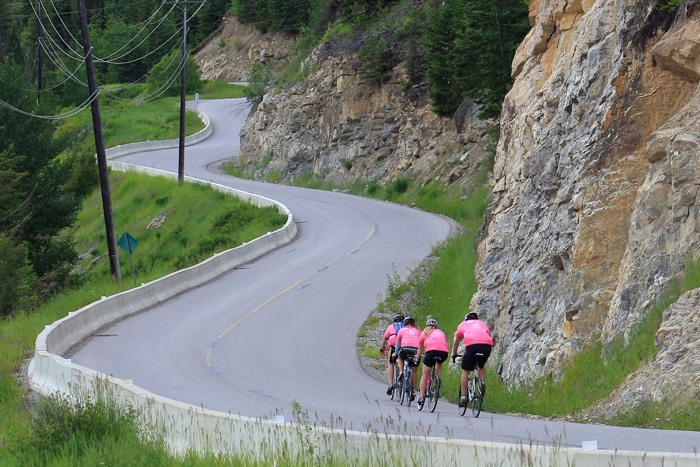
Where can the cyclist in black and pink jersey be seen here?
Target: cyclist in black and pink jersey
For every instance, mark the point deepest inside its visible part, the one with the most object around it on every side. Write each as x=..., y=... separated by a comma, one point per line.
x=434, y=342
x=390, y=339
x=477, y=339
x=407, y=342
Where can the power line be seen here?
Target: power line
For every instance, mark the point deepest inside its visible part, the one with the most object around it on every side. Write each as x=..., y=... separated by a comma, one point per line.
x=67, y=114
x=148, y=21
x=54, y=49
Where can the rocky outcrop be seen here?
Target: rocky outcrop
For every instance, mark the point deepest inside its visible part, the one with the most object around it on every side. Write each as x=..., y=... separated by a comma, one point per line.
x=595, y=181
x=334, y=126
x=229, y=54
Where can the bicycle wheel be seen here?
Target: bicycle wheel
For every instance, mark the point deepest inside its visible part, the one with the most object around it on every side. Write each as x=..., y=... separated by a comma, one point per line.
x=409, y=385
x=402, y=389
x=478, y=398
x=434, y=392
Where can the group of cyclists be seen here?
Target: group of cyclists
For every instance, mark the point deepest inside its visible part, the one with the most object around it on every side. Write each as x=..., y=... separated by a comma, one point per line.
x=404, y=343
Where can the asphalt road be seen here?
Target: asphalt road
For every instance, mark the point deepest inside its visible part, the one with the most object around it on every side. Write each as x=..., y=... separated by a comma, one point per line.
x=281, y=331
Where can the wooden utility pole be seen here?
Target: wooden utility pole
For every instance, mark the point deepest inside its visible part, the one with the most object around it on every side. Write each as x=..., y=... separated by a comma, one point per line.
x=183, y=97
x=40, y=79
x=99, y=146
x=183, y=92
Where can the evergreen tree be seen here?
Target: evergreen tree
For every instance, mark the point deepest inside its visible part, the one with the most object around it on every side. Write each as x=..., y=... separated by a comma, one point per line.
x=441, y=34
x=246, y=11
x=492, y=31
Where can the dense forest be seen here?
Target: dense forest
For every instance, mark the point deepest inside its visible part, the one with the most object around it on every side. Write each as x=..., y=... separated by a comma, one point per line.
x=453, y=49
x=137, y=49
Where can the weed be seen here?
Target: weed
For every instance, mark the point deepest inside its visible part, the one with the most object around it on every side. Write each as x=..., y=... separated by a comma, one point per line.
x=273, y=176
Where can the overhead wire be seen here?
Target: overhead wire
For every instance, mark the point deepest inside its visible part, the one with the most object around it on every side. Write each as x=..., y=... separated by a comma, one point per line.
x=112, y=92
x=54, y=51
x=76, y=54
x=66, y=114
x=60, y=18
x=97, y=59
x=53, y=56
x=145, y=24
x=168, y=83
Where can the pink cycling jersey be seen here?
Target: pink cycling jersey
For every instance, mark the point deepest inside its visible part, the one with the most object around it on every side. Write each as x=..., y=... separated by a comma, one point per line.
x=390, y=334
x=436, y=340
x=409, y=336
x=474, y=332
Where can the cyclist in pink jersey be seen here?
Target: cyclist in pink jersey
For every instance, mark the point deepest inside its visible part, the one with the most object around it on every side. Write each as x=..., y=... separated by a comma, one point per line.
x=390, y=340
x=434, y=342
x=477, y=339
x=407, y=341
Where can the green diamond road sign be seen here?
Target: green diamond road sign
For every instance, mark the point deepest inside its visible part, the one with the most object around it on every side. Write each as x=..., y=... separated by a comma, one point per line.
x=127, y=242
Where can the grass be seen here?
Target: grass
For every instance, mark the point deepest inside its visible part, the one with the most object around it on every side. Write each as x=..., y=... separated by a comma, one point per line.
x=193, y=222
x=217, y=89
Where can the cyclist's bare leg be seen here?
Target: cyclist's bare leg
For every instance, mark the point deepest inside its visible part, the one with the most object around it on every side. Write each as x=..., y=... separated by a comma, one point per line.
x=482, y=376
x=438, y=368
x=464, y=382
x=389, y=368
x=424, y=380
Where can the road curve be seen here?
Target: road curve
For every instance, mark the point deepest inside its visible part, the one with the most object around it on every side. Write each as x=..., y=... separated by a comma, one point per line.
x=282, y=329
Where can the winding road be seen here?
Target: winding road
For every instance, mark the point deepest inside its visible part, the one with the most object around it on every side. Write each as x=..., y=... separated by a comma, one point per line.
x=280, y=332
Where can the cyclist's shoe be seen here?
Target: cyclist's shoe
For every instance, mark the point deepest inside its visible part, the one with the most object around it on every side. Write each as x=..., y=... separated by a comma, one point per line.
x=463, y=401
x=483, y=389
x=421, y=401
x=390, y=390
x=413, y=396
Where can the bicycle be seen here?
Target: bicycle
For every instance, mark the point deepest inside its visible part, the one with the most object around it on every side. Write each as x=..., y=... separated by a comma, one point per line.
x=475, y=396
x=407, y=383
x=432, y=391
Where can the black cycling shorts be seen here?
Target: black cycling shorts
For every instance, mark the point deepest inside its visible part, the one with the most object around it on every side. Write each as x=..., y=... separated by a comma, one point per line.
x=406, y=352
x=469, y=360
x=392, y=349
x=432, y=356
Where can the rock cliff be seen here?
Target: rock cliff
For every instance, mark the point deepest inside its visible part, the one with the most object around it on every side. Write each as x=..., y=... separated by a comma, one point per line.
x=331, y=125
x=596, y=173
x=595, y=181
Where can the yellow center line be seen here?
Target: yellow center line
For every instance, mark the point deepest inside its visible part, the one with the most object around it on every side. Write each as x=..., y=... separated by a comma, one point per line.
x=223, y=334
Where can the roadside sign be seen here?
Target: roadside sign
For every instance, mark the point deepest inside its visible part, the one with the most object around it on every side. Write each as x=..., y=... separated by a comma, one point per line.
x=127, y=242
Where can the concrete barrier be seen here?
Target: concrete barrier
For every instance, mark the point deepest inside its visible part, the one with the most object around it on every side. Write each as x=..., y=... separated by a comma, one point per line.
x=185, y=427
